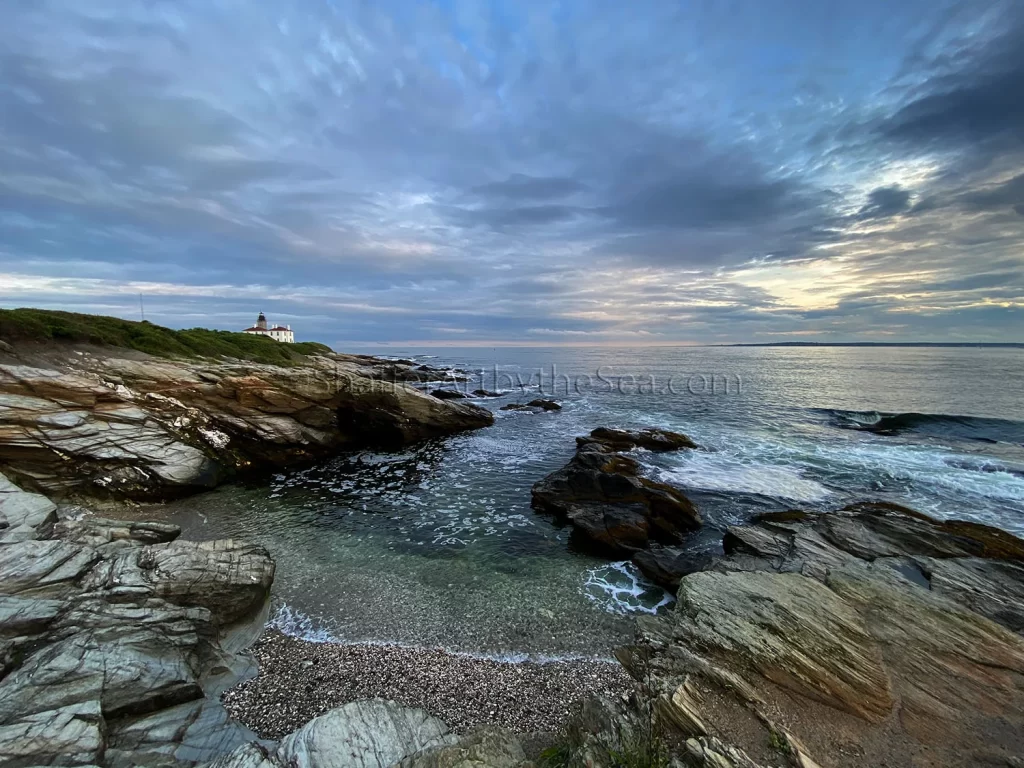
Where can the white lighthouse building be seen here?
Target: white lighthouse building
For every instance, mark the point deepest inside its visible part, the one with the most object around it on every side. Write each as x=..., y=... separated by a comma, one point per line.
x=277, y=333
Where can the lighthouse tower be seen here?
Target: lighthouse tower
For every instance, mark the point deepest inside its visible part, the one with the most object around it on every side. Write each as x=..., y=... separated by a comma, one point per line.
x=277, y=333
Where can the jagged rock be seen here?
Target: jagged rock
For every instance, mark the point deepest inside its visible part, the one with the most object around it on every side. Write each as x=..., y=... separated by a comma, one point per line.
x=44, y=568
x=23, y=515
x=114, y=644
x=485, y=393
x=128, y=659
x=608, y=502
x=363, y=734
x=26, y=616
x=145, y=428
x=230, y=579
x=191, y=732
x=874, y=627
x=72, y=735
x=405, y=370
x=683, y=710
x=709, y=752
x=96, y=531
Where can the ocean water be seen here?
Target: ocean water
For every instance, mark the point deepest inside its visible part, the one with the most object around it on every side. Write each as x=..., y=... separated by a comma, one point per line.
x=437, y=545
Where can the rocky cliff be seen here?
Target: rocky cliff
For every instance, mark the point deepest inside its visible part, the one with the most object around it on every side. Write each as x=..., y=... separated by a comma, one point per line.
x=114, y=422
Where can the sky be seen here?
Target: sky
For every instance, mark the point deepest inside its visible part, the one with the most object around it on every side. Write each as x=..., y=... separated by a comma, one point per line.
x=519, y=172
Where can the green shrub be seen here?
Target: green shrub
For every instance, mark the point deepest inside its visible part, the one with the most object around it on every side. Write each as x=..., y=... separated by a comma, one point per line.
x=46, y=325
x=557, y=756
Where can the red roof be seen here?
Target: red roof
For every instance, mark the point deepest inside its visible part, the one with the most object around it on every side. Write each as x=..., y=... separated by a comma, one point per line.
x=280, y=328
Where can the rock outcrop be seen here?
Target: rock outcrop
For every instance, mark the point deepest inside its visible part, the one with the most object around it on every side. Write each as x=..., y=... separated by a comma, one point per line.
x=116, y=638
x=869, y=636
x=143, y=428
x=375, y=733
x=610, y=505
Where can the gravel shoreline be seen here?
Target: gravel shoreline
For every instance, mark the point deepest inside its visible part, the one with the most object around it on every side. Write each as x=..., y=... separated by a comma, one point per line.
x=299, y=680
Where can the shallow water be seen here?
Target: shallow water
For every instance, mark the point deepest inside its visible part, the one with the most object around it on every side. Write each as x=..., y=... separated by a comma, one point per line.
x=437, y=545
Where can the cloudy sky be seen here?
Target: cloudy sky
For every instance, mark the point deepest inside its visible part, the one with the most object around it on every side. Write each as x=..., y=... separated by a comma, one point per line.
x=476, y=171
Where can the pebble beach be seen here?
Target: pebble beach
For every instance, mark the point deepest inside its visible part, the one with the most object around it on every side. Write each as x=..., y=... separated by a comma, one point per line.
x=299, y=680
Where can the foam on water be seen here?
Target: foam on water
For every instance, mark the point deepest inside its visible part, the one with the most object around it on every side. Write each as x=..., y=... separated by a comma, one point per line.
x=715, y=472
x=295, y=623
x=619, y=588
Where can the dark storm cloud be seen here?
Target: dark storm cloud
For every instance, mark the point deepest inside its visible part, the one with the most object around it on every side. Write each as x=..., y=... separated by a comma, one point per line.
x=973, y=104
x=1009, y=194
x=884, y=202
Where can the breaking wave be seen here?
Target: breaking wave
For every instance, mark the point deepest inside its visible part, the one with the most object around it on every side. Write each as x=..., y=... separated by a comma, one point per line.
x=937, y=424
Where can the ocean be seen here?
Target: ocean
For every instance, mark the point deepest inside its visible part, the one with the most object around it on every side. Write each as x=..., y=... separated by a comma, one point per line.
x=437, y=546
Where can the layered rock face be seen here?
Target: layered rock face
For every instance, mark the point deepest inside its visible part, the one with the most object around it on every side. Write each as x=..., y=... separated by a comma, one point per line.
x=116, y=639
x=869, y=636
x=142, y=428
x=601, y=493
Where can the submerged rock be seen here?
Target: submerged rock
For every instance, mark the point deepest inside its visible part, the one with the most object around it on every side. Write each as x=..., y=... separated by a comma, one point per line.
x=485, y=393
x=603, y=496
x=536, y=406
x=874, y=635
x=144, y=428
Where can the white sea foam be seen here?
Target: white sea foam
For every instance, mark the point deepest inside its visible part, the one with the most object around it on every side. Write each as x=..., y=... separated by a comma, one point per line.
x=294, y=623
x=721, y=472
x=620, y=588
x=929, y=468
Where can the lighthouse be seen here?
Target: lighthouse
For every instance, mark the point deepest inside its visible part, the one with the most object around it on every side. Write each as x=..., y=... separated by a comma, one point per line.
x=277, y=333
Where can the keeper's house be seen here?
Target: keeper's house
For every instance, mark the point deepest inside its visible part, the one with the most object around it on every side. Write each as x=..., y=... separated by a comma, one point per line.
x=277, y=333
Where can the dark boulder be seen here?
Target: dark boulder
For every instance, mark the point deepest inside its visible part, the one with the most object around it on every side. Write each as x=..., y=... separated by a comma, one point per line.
x=602, y=494
x=666, y=566
x=485, y=393
x=651, y=439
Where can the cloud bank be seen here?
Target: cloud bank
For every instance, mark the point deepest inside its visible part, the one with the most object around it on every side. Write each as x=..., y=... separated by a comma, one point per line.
x=528, y=172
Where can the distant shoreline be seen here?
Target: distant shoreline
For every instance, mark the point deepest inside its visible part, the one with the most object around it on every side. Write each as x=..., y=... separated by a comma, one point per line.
x=1010, y=344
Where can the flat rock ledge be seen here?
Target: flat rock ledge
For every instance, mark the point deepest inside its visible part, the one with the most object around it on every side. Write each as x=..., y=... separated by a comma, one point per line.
x=614, y=509
x=112, y=425
x=116, y=639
